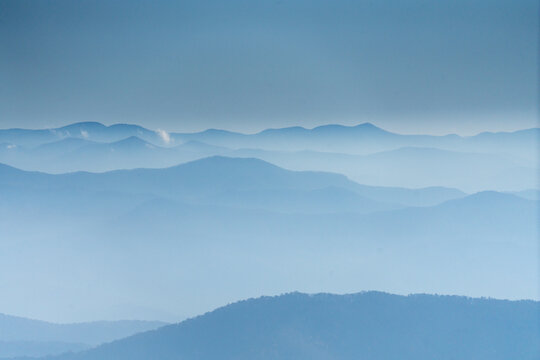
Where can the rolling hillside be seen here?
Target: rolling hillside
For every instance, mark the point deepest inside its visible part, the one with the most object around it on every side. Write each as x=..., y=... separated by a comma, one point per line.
x=367, y=325
x=25, y=337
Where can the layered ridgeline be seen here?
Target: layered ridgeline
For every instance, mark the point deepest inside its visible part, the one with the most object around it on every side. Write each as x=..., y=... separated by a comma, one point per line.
x=226, y=228
x=32, y=338
x=363, y=138
x=365, y=153
x=369, y=325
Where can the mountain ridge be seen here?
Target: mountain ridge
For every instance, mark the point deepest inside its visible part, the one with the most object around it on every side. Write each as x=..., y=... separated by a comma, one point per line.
x=21, y=336
x=221, y=169
x=326, y=326
x=364, y=152
x=133, y=129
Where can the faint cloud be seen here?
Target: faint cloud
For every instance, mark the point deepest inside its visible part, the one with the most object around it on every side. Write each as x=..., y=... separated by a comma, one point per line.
x=61, y=134
x=164, y=136
x=84, y=134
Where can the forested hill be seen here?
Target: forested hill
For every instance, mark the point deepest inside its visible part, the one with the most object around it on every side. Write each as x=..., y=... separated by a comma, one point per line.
x=368, y=325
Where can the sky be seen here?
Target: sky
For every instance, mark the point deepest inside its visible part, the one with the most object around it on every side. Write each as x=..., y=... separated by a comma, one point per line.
x=415, y=66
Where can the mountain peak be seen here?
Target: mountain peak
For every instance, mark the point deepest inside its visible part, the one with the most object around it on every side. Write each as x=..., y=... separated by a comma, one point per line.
x=83, y=125
x=133, y=142
x=217, y=132
x=364, y=127
x=220, y=161
x=290, y=129
x=122, y=125
x=367, y=126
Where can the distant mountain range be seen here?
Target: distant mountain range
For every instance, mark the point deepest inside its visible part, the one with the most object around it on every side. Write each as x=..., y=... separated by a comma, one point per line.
x=218, y=180
x=253, y=224
x=24, y=337
x=93, y=131
x=360, y=139
x=365, y=153
x=366, y=138
x=368, y=325
x=323, y=138
x=412, y=167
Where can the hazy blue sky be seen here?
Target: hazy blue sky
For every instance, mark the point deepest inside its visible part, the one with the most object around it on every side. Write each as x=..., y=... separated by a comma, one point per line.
x=410, y=66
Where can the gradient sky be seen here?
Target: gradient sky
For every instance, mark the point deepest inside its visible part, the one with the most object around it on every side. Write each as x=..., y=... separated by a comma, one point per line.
x=408, y=66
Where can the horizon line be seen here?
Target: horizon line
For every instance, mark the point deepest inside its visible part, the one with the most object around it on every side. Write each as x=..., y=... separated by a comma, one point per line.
x=367, y=123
